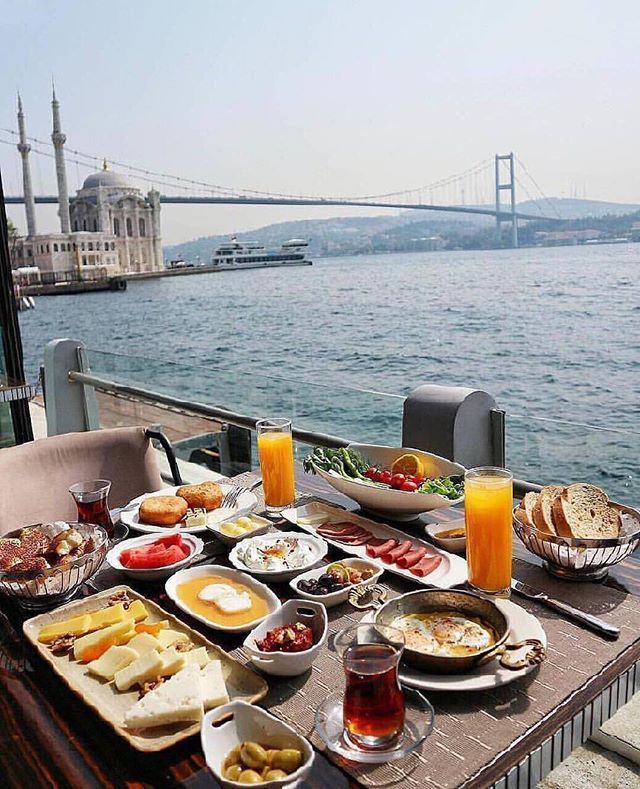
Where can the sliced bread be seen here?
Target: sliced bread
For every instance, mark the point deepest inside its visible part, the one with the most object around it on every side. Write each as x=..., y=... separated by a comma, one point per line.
x=524, y=513
x=582, y=511
x=542, y=516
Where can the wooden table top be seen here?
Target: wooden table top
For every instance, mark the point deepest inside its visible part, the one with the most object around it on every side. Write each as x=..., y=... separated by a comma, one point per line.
x=50, y=738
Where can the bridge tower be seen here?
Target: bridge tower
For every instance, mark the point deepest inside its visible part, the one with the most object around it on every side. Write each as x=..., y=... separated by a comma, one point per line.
x=509, y=185
x=24, y=148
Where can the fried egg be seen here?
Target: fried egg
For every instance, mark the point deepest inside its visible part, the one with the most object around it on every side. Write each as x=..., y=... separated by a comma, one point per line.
x=445, y=633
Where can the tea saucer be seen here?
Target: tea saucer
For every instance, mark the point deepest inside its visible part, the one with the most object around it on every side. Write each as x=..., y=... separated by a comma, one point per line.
x=418, y=723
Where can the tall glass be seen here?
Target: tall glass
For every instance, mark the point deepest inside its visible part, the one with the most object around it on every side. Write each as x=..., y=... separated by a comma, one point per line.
x=373, y=708
x=488, y=506
x=91, y=500
x=275, y=450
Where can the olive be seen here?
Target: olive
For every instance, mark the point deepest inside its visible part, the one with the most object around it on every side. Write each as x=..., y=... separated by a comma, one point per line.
x=325, y=579
x=233, y=772
x=270, y=754
x=249, y=777
x=288, y=759
x=274, y=775
x=253, y=755
x=233, y=757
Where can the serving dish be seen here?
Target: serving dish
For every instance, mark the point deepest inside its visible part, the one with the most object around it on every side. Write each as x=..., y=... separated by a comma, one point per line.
x=396, y=504
x=316, y=546
x=262, y=524
x=582, y=559
x=452, y=569
x=245, y=503
x=340, y=596
x=207, y=570
x=289, y=664
x=246, y=723
x=42, y=589
x=110, y=704
x=437, y=533
x=157, y=573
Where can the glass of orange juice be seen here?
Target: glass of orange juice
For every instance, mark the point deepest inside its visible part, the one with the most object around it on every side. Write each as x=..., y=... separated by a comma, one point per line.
x=488, y=507
x=275, y=450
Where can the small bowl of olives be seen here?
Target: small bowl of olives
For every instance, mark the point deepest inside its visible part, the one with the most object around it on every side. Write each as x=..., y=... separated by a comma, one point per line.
x=253, y=747
x=330, y=584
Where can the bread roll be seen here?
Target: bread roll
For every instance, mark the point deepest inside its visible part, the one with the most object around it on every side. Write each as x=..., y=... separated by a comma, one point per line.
x=163, y=510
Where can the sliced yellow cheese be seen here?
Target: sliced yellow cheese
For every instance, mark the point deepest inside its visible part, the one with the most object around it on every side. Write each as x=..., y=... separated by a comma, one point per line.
x=179, y=699
x=91, y=646
x=137, y=610
x=114, y=659
x=172, y=661
x=108, y=616
x=214, y=691
x=144, y=642
x=168, y=637
x=143, y=669
x=199, y=656
x=128, y=635
x=77, y=626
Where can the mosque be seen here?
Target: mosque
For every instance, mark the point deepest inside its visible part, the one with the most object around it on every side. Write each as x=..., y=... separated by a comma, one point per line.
x=109, y=227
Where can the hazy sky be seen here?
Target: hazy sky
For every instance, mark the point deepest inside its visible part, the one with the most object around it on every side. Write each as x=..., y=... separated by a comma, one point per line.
x=335, y=97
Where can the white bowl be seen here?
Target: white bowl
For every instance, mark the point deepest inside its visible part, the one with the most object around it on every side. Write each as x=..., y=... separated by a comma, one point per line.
x=340, y=596
x=453, y=544
x=157, y=573
x=250, y=724
x=398, y=505
x=262, y=524
x=289, y=664
x=171, y=588
x=318, y=546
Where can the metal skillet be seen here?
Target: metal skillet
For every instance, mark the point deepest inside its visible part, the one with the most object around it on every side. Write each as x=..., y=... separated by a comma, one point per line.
x=454, y=601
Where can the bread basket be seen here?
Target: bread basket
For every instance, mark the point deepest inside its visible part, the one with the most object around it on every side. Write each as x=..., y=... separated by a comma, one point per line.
x=582, y=559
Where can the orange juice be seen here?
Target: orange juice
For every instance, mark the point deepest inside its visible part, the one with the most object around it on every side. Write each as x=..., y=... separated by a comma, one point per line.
x=488, y=514
x=276, y=463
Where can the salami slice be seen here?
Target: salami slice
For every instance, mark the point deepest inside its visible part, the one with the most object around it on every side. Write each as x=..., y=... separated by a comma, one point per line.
x=411, y=557
x=425, y=566
x=376, y=551
x=393, y=555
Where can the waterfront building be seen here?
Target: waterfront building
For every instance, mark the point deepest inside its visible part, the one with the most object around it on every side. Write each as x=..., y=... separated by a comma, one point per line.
x=109, y=227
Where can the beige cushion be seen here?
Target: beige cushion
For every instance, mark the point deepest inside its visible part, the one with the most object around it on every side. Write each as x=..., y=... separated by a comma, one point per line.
x=35, y=477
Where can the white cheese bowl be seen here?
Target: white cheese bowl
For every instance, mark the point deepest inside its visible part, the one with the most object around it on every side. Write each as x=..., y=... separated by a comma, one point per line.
x=318, y=550
x=341, y=595
x=289, y=664
x=154, y=573
x=250, y=724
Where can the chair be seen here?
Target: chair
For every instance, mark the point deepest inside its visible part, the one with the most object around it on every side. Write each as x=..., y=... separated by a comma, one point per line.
x=35, y=477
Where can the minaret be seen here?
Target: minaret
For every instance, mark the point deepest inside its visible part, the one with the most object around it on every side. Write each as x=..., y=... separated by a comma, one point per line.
x=58, y=139
x=24, y=148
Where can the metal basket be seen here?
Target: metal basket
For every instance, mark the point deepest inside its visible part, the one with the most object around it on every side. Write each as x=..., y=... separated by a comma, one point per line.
x=41, y=589
x=582, y=560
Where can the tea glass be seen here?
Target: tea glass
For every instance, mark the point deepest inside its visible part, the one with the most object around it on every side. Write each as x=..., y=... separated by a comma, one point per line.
x=91, y=500
x=275, y=450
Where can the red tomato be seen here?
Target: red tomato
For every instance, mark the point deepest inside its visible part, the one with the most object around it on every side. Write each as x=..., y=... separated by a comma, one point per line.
x=408, y=485
x=397, y=480
x=371, y=472
x=385, y=476
x=418, y=480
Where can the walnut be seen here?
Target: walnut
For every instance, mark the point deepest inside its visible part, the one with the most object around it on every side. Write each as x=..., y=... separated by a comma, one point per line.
x=147, y=687
x=120, y=597
x=63, y=644
x=182, y=646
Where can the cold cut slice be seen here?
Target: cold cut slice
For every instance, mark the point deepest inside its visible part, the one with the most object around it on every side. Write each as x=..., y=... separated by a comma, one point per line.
x=376, y=551
x=392, y=556
x=344, y=527
x=411, y=557
x=375, y=541
x=425, y=566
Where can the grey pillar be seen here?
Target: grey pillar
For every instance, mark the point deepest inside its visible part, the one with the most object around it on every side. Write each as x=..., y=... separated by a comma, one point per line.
x=70, y=407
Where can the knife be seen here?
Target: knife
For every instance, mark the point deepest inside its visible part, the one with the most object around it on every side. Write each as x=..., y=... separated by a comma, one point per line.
x=581, y=617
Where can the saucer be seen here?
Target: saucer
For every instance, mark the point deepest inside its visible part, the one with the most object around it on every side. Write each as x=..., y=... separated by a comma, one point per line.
x=418, y=723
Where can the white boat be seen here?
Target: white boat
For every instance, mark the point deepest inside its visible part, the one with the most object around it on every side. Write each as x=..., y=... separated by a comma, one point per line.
x=252, y=255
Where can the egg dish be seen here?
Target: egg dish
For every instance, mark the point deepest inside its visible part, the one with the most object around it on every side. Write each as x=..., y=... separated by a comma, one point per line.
x=445, y=633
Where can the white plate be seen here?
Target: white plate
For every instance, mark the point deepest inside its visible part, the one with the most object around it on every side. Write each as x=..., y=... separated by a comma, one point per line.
x=453, y=544
x=451, y=571
x=399, y=505
x=341, y=595
x=492, y=675
x=245, y=503
x=318, y=547
x=171, y=588
x=156, y=573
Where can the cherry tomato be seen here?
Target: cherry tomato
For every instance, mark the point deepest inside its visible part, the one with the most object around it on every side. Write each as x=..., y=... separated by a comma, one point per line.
x=418, y=480
x=371, y=472
x=409, y=485
x=385, y=476
x=397, y=480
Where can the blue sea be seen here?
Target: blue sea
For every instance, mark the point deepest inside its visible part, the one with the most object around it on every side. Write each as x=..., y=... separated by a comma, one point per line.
x=553, y=334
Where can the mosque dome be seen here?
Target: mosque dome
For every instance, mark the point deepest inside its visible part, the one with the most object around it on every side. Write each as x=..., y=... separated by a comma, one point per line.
x=106, y=178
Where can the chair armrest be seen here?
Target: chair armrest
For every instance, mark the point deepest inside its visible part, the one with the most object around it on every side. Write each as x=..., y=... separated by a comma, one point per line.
x=158, y=435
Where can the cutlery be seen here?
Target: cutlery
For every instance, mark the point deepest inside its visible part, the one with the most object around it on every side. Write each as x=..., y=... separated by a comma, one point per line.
x=581, y=617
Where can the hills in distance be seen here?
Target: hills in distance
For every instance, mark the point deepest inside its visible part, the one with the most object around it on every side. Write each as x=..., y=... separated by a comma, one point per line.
x=418, y=230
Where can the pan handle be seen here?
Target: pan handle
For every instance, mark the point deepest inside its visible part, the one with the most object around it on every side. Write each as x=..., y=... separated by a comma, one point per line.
x=367, y=596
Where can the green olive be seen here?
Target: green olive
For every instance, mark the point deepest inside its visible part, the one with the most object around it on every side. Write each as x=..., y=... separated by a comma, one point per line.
x=274, y=775
x=249, y=777
x=288, y=759
x=233, y=757
x=253, y=755
x=233, y=772
x=270, y=754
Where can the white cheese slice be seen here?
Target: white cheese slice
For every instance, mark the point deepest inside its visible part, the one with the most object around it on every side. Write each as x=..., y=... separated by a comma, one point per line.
x=178, y=699
x=172, y=661
x=214, y=691
x=114, y=659
x=168, y=637
x=144, y=642
x=199, y=656
x=145, y=668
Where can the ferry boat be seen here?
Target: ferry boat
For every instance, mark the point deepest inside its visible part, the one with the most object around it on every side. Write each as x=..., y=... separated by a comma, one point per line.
x=250, y=254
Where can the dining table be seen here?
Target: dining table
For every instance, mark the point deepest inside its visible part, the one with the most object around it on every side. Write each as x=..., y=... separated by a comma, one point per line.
x=507, y=736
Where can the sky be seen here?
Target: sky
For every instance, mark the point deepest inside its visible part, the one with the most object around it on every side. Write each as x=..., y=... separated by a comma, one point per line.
x=326, y=97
